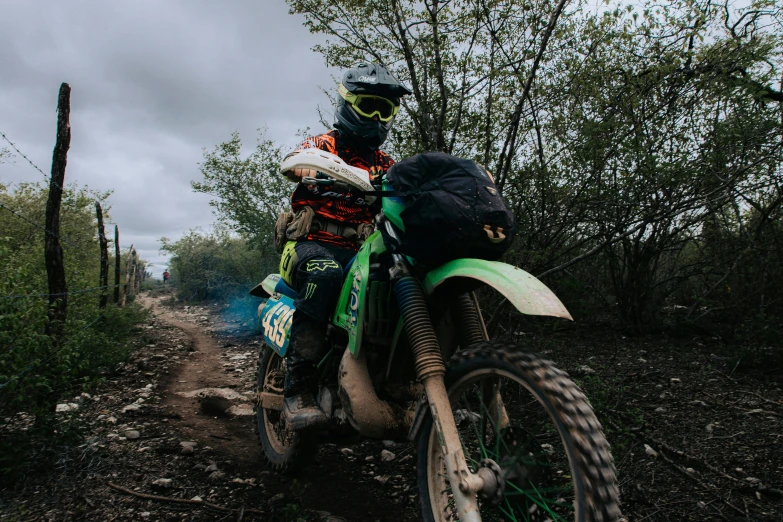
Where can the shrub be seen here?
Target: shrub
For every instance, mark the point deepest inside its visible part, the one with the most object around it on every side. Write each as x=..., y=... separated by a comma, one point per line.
x=37, y=371
x=216, y=265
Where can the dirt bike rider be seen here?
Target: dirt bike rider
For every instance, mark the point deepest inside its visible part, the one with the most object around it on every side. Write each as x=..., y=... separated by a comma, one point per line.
x=332, y=230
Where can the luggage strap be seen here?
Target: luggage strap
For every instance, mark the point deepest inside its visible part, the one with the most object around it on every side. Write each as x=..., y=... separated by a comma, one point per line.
x=385, y=193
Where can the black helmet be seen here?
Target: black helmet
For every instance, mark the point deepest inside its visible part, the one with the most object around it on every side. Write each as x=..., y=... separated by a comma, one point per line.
x=372, y=87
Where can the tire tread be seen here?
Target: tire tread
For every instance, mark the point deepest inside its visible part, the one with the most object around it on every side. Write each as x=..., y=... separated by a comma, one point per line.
x=593, y=459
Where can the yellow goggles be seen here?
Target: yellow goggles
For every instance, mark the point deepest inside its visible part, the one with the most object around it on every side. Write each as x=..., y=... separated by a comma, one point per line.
x=369, y=105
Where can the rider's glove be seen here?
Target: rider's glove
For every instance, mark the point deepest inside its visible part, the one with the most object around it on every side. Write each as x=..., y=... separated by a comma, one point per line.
x=298, y=174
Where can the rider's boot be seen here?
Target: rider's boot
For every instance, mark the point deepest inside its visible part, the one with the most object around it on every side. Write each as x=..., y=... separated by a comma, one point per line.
x=300, y=409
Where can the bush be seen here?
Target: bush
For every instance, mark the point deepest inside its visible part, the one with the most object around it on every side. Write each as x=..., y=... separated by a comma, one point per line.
x=37, y=371
x=216, y=265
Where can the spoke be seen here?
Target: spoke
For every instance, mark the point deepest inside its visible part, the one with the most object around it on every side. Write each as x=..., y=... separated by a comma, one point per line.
x=498, y=434
x=509, y=513
x=548, y=502
x=528, y=449
x=487, y=387
x=520, y=491
x=537, y=491
x=482, y=449
x=546, y=506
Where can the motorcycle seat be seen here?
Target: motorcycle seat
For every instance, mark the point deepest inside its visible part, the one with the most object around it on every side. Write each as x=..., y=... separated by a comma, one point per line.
x=283, y=288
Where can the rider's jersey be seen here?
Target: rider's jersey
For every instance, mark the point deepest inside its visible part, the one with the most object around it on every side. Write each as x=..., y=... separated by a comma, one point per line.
x=333, y=204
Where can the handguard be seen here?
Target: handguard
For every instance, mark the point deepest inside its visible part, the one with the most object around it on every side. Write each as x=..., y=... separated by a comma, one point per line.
x=331, y=165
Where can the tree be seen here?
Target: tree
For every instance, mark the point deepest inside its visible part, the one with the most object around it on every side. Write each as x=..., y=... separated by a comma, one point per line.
x=249, y=192
x=615, y=135
x=467, y=63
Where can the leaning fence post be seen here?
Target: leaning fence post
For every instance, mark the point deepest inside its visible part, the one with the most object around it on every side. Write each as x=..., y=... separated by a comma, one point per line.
x=53, y=252
x=104, y=276
x=140, y=276
x=133, y=274
x=127, y=278
x=137, y=278
x=117, y=261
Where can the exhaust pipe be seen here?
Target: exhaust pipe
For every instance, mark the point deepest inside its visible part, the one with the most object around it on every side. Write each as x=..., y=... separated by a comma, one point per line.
x=369, y=415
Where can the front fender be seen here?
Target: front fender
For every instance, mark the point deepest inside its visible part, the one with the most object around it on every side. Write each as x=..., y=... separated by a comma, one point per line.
x=529, y=295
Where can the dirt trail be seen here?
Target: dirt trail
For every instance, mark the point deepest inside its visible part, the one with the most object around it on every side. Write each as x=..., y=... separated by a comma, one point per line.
x=190, y=379
x=212, y=399
x=195, y=393
x=175, y=421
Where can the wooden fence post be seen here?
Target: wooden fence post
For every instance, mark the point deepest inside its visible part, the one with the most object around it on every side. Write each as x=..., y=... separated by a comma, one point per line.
x=53, y=252
x=140, y=276
x=127, y=278
x=117, y=260
x=133, y=274
x=104, y=276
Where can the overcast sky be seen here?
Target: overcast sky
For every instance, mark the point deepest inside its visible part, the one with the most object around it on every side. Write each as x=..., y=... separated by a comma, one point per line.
x=153, y=83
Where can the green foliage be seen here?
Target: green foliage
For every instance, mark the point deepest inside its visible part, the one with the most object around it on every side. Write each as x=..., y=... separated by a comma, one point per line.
x=36, y=371
x=295, y=511
x=644, y=125
x=644, y=166
x=249, y=192
x=216, y=265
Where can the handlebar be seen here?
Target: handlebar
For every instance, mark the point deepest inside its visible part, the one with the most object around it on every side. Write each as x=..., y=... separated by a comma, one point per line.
x=324, y=180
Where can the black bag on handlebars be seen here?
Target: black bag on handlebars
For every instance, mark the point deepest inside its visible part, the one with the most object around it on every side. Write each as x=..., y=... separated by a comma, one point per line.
x=453, y=209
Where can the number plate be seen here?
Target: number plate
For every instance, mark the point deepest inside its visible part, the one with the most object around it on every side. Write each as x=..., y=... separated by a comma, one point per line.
x=276, y=320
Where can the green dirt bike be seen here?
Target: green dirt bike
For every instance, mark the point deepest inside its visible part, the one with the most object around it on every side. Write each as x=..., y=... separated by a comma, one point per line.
x=501, y=433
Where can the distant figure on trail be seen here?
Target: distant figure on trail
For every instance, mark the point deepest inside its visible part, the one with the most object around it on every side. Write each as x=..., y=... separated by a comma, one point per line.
x=165, y=276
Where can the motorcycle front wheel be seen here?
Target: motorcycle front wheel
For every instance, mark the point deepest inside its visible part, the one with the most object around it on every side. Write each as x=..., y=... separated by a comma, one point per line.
x=530, y=424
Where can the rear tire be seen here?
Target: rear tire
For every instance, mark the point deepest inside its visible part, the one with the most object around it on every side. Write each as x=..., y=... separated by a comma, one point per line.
x=544, y=437
x=283, y=450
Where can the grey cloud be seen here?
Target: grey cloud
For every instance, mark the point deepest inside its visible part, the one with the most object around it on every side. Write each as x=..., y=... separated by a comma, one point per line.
x=153, y=84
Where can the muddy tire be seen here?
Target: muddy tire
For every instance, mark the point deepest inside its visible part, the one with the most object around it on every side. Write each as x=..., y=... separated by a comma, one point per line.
x=283, y=450
x=515, y=408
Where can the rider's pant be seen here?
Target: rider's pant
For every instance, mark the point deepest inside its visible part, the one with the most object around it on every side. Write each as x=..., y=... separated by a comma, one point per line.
x=315, y=271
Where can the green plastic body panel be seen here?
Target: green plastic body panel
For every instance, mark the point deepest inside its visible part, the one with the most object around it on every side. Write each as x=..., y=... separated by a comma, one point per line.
x=392, y=207
x=529, y=295
x=351, y=311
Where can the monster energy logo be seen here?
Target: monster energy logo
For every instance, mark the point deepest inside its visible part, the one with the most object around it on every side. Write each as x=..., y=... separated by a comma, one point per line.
x=310, y=290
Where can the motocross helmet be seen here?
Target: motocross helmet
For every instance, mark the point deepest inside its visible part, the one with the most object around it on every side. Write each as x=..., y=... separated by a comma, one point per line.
x=368, y=90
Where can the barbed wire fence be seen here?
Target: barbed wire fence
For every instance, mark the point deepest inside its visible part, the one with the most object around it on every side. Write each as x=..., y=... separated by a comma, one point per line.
x=58, y=292
x=22, y=154
x=74, y=292
x=19, y=215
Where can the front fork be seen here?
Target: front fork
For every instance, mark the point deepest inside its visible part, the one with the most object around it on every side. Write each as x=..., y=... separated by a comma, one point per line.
x=465, y=485
x=430, y=371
